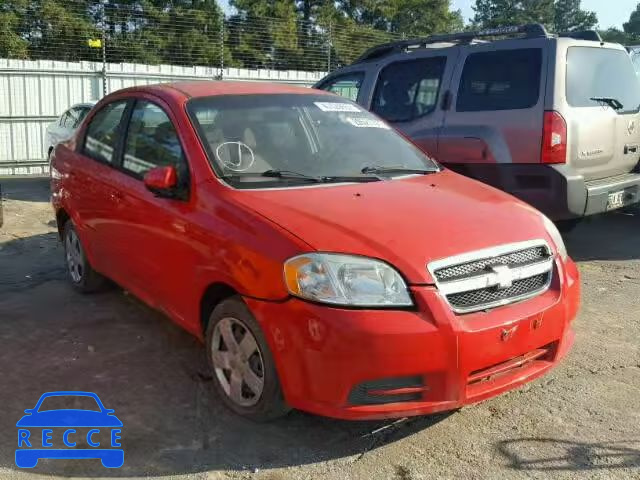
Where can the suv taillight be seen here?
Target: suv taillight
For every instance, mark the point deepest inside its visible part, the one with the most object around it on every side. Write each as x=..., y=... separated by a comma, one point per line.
x=554, y=138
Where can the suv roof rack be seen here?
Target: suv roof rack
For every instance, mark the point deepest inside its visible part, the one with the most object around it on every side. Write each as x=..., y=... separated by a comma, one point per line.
x=582, y=35
x=529, y=30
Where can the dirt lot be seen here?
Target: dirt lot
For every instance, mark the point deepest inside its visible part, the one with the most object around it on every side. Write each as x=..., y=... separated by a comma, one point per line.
x=581, y=421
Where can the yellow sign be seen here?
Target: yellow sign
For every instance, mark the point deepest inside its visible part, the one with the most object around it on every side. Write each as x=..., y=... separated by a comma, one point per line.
x=95, y=43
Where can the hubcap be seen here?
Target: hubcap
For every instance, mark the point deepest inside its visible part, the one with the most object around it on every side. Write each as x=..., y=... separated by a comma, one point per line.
x=237, y=362
x=75, y=258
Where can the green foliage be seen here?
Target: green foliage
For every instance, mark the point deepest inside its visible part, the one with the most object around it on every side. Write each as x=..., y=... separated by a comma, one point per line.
x=632, y=27
x=569, y=16
x=616, y=35
x=280, y=34
x=556, y=15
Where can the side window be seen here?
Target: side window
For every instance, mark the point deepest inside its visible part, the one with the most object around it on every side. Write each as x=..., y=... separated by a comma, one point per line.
x=82, y=112
x=103, y=132
x=152, y=141
x=408, y=89
x=347, y=86
x=500, y=80
x=64, y=119
x=72, y=118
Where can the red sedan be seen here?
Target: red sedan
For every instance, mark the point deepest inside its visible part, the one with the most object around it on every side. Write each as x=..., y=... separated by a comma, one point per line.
x=326, y=262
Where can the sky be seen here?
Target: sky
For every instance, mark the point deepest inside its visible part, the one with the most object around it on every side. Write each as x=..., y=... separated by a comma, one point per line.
x=610, y=12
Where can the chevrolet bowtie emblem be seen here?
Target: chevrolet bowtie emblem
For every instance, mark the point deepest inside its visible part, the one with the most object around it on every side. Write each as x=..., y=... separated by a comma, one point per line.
x=505, y=277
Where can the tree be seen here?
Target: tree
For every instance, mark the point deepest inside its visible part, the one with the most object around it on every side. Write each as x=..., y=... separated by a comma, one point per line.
x=12, y=44
x=568, y=16
x=616, y=35
x=632, y=27
x=556, y=15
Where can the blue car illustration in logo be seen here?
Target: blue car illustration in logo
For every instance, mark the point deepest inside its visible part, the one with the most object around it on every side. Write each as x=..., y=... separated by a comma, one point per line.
x=40, y=428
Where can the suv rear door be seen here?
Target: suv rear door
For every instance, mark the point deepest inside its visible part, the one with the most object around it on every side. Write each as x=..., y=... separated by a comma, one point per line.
x=602, y=142
x=498, y=104
x=410, y=92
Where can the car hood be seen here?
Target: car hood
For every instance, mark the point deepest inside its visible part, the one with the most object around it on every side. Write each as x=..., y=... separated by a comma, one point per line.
x=69, y=418
x=407, y=222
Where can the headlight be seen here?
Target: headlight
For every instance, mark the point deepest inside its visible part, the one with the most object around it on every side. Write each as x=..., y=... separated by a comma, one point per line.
x=553, y=232
x=345, y=280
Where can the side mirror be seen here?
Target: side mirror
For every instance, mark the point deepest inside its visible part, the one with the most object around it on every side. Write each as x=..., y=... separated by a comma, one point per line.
x=161, y=181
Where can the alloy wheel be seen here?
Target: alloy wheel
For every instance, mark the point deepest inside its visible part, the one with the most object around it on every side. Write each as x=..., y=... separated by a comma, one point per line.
x=75, y=256
x=237, y=362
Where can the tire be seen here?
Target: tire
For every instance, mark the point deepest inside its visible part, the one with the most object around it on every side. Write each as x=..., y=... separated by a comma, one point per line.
x=235, y=359
x=79, y=271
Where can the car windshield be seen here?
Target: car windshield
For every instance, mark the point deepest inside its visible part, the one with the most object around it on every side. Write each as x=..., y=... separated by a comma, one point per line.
x=66, y=402
x=296, y=138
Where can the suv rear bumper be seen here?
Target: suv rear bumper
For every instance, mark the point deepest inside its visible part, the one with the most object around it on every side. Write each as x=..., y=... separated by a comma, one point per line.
x=558, y=191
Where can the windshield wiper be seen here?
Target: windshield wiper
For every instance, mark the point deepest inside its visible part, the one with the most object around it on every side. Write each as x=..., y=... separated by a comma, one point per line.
x=398, y=169
x=292, y=175
x=612, y=102
x=287, y=174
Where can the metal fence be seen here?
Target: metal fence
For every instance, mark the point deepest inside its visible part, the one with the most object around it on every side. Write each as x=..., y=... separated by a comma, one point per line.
x=33, y=93
x=54, y=53
x=112, y=31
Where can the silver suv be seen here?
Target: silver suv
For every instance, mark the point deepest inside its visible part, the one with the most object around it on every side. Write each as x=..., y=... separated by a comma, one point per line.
x=550, y=119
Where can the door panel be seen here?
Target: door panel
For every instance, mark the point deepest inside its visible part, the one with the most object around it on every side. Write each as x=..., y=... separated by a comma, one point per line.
x=94, y=183
x=497, y=106
x=409, y=94
x=151, y=234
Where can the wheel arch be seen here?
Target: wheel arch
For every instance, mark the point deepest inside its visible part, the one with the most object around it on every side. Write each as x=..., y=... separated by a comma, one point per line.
x=213, y=294
x=61, y=218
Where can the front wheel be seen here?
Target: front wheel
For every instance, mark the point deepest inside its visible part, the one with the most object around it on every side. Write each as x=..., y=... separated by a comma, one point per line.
x=244, y=373
x=82, y=276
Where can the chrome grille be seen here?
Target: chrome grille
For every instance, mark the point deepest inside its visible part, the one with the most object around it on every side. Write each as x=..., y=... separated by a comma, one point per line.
x=490, y=295
x=522, y=257
x=495, y=276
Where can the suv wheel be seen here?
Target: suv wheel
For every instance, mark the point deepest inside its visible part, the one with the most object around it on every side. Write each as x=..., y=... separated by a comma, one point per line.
x=244, y=373
x=82, y=276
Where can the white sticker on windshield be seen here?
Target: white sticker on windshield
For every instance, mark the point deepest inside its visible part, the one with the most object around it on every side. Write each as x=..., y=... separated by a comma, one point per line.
x=366, y=122
x=336, y=107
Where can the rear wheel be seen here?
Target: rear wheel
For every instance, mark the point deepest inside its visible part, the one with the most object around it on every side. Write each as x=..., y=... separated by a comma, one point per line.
x=244, y=372
x=82, y=276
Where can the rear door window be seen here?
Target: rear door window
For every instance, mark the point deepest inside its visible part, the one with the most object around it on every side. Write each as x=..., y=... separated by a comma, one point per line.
x=347, y=86
x=103, y=132
x=500, y=80
x=601, y=73
x=409, y=89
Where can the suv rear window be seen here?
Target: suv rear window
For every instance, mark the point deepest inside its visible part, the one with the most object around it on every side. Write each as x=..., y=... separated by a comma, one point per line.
x=601, y=72
x=500, y=80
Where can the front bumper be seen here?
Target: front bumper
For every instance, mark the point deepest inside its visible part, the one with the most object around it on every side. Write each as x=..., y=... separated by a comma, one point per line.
x=322, y=354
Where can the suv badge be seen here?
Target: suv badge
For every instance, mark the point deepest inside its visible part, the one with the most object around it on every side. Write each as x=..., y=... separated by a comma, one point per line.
x=631, y=127
x=505, y=277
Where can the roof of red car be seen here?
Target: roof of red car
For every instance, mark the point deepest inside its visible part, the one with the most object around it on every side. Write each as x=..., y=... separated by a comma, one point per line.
x=206, y=88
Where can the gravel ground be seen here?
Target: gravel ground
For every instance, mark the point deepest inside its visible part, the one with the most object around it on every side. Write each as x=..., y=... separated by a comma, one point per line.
x=580, y=421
